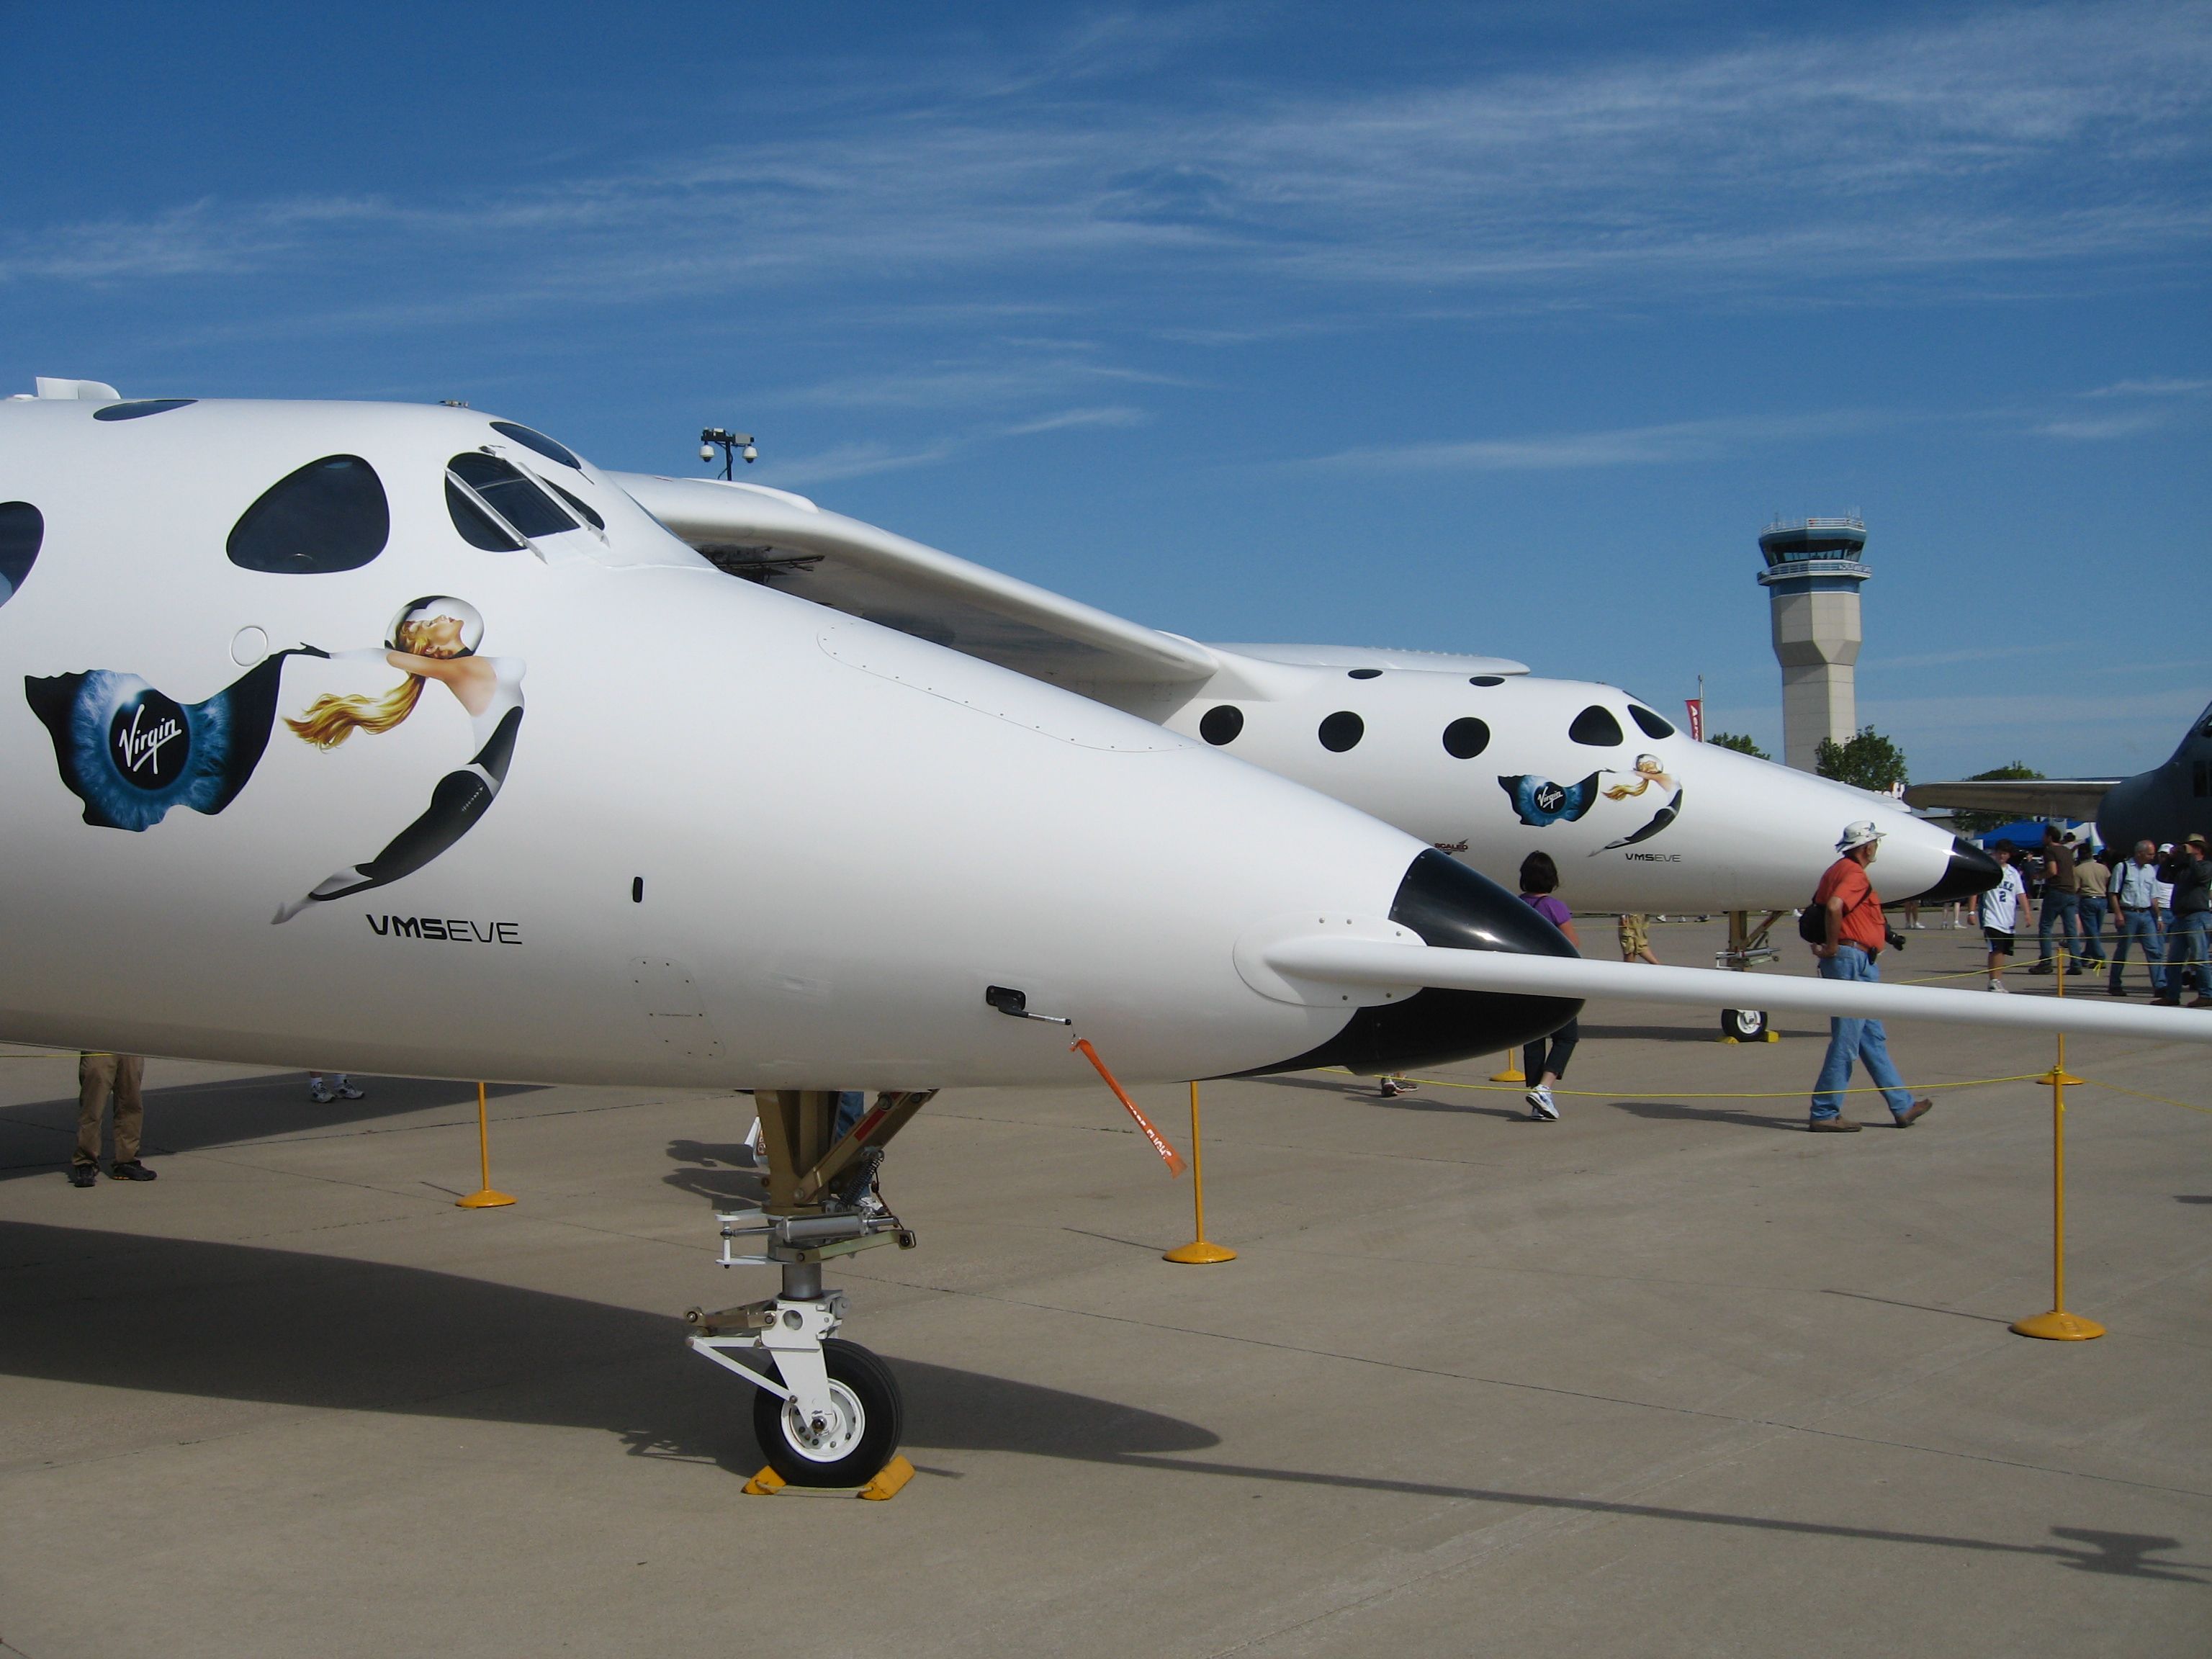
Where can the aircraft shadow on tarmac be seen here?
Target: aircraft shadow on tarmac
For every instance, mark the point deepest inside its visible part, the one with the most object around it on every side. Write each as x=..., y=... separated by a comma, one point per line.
x=722, y=1175
x=1460, y=1103
x=233, y=1322
x=1671, y=1111
x=38, y=1137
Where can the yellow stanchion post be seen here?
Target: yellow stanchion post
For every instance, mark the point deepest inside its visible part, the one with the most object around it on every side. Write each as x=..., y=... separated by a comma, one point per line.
x=1199, y=1249
x=1512, y=1073
x=2058, y=1324
x=483, y=1198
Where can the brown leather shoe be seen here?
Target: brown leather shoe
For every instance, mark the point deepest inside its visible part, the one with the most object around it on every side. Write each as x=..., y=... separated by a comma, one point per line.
x=1833, y=1126
x=1914, y=1113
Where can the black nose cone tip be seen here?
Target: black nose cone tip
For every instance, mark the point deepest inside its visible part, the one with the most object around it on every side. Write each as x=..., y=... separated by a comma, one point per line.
x=1970, y=871
x=1455, y=908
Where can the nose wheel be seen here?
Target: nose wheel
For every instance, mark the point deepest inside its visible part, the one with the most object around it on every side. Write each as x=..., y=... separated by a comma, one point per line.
x=827, y=1413
x=844, y=1443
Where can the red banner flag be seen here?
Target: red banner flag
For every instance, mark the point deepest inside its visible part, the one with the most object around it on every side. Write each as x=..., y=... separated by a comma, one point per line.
x=1696, y=708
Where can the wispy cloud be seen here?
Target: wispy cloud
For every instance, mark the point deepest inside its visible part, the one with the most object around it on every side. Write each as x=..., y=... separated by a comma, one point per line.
x=1109, y=414
x=855, y=460
x=2102, y=428
x=1640, y=445
x=2035, y=139
x=2154, y=387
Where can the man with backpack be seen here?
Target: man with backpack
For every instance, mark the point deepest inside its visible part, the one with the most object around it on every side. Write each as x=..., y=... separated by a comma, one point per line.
x=1845, y=928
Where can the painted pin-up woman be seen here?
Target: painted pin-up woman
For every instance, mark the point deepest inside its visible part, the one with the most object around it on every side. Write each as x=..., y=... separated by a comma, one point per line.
x=433, y=639
x=1650, y=774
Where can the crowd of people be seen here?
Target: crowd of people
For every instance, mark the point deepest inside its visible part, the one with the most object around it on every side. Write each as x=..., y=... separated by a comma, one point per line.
x=2155, y=899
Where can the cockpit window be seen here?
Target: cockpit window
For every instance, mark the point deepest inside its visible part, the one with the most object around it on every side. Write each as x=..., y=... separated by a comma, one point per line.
x=23, y=527
x=528, y=509
x=584, y=509
x=1596, y=726
x=331, y=515
x=478, y=527
x=539, y=441
x=140, y=408
x=1654, y=726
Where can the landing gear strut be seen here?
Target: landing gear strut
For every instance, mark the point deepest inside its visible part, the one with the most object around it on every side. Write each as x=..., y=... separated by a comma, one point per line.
x=831, y=1413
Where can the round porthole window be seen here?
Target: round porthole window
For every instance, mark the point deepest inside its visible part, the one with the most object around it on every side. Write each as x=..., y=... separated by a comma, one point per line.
x=1342, y=731
x=1466, y=738
x=1221, y=723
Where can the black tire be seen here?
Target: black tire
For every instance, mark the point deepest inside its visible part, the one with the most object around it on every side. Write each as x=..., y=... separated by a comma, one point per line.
x=860, y=1383
x=1744, y=1024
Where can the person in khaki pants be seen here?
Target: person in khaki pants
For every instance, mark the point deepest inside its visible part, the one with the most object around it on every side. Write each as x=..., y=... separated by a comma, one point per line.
x=99, y=1075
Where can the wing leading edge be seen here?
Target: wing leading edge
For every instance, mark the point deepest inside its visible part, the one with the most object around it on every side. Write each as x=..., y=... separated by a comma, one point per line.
x=786, y=541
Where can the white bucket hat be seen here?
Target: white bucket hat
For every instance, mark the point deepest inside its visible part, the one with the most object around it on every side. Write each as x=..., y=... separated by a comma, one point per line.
x=1861, y=834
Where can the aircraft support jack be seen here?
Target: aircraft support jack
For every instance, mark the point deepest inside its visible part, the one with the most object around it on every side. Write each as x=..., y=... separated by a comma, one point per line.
x=827, y=1412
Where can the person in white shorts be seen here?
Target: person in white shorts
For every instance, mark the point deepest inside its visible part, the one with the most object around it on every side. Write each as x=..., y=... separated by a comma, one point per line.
x=2002, y=909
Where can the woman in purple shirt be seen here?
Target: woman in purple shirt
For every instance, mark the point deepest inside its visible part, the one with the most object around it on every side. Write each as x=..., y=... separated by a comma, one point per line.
x=1540, y=880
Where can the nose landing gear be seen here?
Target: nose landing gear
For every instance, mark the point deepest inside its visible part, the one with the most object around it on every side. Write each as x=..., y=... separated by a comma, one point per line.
x=831, y=1414
x=1746, y=949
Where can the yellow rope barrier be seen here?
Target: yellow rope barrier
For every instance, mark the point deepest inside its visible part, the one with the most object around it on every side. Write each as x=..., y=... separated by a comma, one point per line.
x=1654, y=1094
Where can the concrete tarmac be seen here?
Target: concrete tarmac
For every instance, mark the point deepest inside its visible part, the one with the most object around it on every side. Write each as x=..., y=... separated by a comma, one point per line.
x=1670, y=1377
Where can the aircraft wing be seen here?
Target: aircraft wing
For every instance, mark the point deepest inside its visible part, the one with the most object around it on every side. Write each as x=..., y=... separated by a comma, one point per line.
x=786, y=541
x=2032, y=798
x=1313, y=960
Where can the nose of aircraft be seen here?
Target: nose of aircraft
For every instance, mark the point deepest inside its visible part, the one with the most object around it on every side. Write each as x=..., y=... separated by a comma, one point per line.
x=1458, y=908
x=1970, y=871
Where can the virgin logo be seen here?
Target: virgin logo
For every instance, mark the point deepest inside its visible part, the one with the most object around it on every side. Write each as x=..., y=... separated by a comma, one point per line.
x=151, y=741
x=140, y=742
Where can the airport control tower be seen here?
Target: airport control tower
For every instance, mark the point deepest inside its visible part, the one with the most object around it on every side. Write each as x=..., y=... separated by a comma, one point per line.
x=1812, y=576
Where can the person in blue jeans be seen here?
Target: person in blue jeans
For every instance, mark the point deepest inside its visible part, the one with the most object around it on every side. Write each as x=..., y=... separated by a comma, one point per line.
x=2062, y=897
x=1855, y=936
x=2189, y=934
x=2134, y=920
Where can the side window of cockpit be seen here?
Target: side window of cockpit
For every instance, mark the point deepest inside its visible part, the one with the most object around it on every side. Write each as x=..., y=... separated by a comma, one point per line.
x=22, y=528
x=330, y=515
x=476, y=482
x=1652, y=724
x=1596, y=726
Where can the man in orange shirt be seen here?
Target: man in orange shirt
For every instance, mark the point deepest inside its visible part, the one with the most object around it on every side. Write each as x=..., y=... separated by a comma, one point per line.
x=1856, y=935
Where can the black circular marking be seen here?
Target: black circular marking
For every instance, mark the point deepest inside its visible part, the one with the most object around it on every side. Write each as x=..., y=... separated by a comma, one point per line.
x=1221, y=723
x=1466, y=738
x=1486, y=679
x=1341, y=731
x=1365, y=674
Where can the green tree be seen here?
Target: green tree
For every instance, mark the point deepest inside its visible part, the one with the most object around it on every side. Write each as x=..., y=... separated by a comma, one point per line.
x=1739, y=742
x=1980, y=824
x=1867, y=760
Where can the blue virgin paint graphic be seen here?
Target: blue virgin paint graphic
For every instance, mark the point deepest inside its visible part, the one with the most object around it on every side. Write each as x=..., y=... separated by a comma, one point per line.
x=130, y=752
x=1539, y=801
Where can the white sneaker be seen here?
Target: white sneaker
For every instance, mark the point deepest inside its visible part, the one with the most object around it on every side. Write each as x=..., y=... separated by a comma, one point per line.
x=319, y=1092
x=1540, y=1104
x=1996, y=984
x=342, y=1086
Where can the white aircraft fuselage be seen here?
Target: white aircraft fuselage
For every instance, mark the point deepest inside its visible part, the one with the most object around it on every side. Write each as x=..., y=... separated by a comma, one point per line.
x=639, y=821
x=1491, y=767
x=1471, y=754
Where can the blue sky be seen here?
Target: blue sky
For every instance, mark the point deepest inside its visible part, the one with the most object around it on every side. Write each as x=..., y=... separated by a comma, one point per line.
x=1495, y=327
